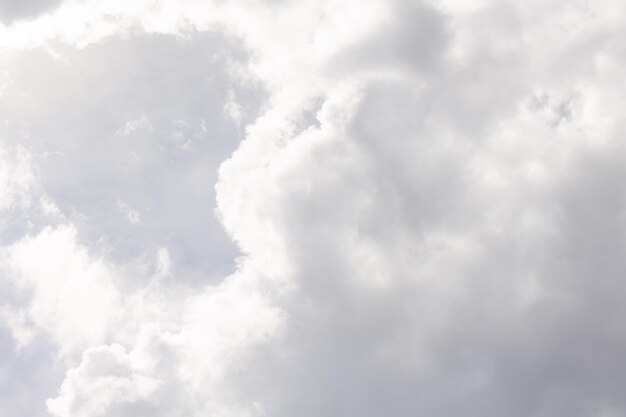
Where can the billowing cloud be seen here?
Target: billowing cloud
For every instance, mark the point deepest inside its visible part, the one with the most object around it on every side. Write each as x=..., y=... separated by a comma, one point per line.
x=185, y=370
x=426, y=198
x=71, y=296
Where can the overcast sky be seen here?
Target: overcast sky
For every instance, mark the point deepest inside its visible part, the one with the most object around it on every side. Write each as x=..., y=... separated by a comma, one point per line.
x=312, y=208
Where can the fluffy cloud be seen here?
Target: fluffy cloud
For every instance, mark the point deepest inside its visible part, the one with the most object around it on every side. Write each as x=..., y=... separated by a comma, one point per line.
x=431, y=237
x=428, y=207
x=188, y=369
x=71, y=296
x=100, y=202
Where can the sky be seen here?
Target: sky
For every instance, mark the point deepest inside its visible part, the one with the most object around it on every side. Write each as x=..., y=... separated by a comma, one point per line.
x=312, y=208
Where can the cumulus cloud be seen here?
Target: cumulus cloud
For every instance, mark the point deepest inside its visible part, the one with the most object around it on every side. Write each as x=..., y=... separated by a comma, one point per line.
x=70, y=295
x=427, y=204
x=185, y=370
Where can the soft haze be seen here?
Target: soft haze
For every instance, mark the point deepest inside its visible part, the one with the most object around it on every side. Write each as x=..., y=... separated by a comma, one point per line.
x=329, y=208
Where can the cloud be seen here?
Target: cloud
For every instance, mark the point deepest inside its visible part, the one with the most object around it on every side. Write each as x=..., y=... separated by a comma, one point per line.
x=71, y=296
x=105, y=376
x=427, y=202
x=17, y=180
x=188, y=369
x=75, y=259
x=12, y=10
x=145, y=148
x=424, y=231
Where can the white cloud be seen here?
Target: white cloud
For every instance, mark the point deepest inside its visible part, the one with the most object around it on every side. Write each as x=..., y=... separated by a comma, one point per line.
x=17, y=179
x=164, y=262
x=132, y=126
x=105, y=376
x=69, y=295
x=429, y=207
x=188, y=369
x=233, y=109
x=132, y=215
x=17, y=322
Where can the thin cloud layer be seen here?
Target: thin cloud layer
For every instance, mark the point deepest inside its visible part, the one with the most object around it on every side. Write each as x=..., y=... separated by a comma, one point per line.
x=15, y=10
x=426, y=198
